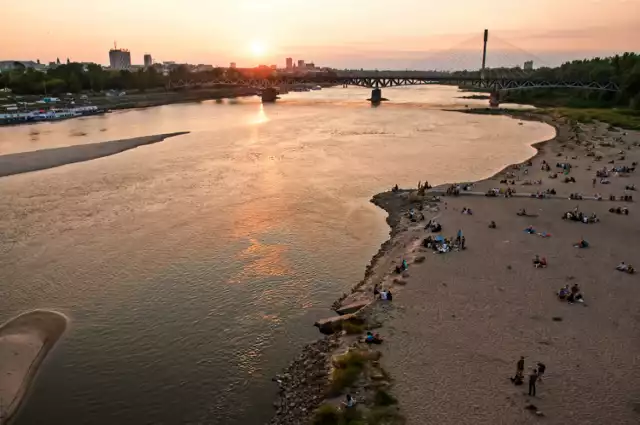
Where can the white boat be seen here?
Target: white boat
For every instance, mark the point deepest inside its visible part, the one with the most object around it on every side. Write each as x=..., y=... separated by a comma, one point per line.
x=53, y=114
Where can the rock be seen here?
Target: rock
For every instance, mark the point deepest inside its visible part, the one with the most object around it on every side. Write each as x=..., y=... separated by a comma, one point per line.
x=333, y=324
x=397, y=281
x=556, y=319
x=351, y=308
x=377, y=375
x=420, y=259
x=405, y=275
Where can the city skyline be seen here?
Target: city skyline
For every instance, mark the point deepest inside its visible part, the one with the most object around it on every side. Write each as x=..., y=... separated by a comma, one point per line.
x=357, y=34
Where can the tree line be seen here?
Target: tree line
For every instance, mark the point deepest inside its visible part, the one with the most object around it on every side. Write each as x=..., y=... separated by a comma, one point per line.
x=77, y=77
x=624, y=70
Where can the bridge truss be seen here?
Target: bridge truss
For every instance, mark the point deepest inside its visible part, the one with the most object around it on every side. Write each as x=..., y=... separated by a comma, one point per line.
x=493, y=84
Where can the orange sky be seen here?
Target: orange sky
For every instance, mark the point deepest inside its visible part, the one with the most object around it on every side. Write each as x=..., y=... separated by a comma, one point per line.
x=354, y=33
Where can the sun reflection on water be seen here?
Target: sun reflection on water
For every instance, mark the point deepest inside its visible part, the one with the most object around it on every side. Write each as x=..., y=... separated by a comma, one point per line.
x=261, y=117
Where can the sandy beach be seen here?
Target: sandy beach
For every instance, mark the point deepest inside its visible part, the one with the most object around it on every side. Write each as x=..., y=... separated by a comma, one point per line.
x=24, y=343
x=464, y=318
x=25, y=162
x=459, y=321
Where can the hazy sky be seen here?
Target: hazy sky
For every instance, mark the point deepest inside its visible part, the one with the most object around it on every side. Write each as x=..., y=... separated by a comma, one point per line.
x=341, y=33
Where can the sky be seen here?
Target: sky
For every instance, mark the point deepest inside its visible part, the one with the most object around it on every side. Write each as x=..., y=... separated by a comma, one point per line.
x=372, y=34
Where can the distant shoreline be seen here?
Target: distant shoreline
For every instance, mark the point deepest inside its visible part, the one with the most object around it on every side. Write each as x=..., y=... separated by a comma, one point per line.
x=25, y=342
x=24, y=162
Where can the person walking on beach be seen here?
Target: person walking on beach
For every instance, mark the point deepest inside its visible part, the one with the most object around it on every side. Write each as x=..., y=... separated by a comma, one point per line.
x=533, y=377
x=541, y=369
x=520, y=367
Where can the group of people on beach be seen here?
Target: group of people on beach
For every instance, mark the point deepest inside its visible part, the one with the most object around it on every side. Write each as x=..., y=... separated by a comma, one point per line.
x=577, y=215
x=570, y=295
x=627, y=268
x=539, y=263
x=535, y=375
x=382, y=294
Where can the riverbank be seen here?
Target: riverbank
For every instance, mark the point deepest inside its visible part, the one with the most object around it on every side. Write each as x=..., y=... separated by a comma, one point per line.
x=24, y=162
x=24, y=344
x=459, y=321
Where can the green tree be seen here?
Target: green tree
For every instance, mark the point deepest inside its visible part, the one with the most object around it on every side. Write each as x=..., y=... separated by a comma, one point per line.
x=73, y=83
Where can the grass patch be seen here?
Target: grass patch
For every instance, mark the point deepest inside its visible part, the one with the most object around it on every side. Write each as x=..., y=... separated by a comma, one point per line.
x=326, y=415
x=383, y=398
x=347, y=370
x=353, y=328
x=619, y=117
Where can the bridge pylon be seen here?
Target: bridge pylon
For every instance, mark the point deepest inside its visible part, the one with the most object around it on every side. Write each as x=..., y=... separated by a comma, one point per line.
x=484, y=53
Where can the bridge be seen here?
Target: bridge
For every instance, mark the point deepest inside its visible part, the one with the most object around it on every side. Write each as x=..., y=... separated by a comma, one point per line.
x=485, y=78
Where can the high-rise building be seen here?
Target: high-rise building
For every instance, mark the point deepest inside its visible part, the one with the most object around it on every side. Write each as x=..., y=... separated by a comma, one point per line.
x=301, y=63
x=119, y=59
x=232, y=65
x=528, y=66
x=148, y=61
x=289, y=63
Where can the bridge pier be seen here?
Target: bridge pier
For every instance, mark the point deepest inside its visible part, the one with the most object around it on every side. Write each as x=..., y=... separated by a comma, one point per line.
x=376, y=95
x=269, y=95
x=494, y=99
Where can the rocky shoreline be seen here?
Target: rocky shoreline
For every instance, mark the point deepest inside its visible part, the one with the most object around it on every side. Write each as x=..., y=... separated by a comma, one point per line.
x=305, y=384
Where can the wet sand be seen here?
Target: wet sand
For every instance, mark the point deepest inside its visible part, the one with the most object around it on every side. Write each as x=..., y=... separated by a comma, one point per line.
x=460, y=321
x=24, y=344
x=25, y=162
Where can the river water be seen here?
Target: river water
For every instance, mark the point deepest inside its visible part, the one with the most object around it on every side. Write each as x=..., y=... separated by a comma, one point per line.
x=192, y=269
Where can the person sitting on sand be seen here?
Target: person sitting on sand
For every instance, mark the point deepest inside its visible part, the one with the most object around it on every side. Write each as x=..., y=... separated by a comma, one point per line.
x=398, y=269
x=492, y=225
x=372, y=339
x=436, y=227
x=539, y=262
x=517, y=380
x=581, y=244
x=349, y=402
x=622, y=267
x=575, y=295
x=395, y=188
x=386, y=295
x=376, y=291
x=563, y=293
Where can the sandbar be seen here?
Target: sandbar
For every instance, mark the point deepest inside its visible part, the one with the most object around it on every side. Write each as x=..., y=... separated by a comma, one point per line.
x=24, y=343
x=24, y=162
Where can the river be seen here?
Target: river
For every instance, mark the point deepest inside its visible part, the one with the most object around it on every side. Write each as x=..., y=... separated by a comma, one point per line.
x=192, y=269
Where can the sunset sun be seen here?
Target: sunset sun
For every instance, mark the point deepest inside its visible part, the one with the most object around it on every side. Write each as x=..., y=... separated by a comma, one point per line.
x=258, y=48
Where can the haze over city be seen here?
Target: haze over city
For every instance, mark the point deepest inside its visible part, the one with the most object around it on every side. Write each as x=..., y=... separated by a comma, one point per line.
x=357, y=33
